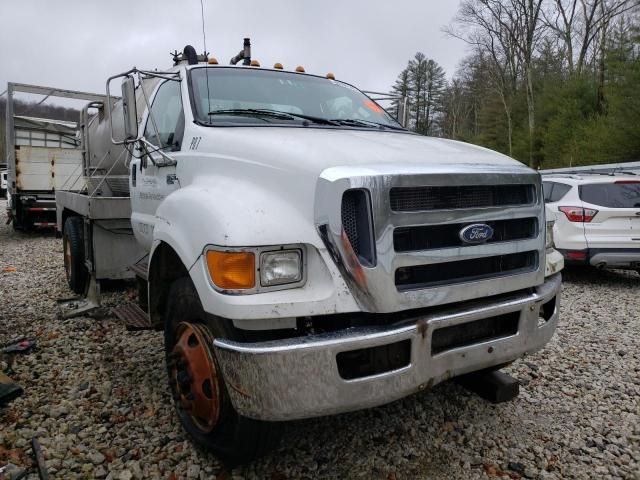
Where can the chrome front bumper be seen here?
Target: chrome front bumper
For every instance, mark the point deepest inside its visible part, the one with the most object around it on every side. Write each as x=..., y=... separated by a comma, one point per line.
x=298, y=377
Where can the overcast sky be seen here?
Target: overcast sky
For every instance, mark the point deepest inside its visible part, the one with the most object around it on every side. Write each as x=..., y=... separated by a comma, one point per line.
x=77, y=44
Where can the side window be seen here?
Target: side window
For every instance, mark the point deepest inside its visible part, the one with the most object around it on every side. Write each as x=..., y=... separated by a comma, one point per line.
x=547, y=189
x=559, y=191
x=168, y=115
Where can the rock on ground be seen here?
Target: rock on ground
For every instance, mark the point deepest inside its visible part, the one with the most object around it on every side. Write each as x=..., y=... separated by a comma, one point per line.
x=96, y=396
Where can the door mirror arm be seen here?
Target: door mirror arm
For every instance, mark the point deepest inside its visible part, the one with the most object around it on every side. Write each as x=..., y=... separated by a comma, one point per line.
x=168, y=160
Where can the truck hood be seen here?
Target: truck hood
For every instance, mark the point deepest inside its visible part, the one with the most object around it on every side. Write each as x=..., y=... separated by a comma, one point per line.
x=269, y=176
x=311, y=150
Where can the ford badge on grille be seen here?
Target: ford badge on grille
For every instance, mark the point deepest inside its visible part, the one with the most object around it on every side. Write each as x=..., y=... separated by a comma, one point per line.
x=476, y=233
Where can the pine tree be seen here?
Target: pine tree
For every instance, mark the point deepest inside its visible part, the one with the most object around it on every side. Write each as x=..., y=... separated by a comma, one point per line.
x=423, y=83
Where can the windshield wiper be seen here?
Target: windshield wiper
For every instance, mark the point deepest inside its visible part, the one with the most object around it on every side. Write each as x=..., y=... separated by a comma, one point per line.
x=365, y=123
x=249, y=112
x=274, y=114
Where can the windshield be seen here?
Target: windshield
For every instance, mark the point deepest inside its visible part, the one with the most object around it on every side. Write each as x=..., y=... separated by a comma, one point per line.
x=243, y=95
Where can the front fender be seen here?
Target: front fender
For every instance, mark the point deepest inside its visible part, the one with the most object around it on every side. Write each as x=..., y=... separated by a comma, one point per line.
x=193, y=217
x=235, y=216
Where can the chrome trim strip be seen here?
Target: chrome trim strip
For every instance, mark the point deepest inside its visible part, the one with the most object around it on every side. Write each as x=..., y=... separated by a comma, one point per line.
x=426, y=257
x=473, y=215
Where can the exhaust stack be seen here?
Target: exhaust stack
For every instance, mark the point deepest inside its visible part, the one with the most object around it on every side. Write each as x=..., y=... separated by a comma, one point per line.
x=244, y=54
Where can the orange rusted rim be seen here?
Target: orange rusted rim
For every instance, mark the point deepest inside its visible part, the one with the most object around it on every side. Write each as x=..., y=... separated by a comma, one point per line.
x=195, y=376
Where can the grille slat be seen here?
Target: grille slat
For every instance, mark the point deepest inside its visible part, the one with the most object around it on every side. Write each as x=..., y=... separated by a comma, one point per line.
x=411, y=199
x=349, y=220
x=357, y=224
x=428, y=237
x=463, y=271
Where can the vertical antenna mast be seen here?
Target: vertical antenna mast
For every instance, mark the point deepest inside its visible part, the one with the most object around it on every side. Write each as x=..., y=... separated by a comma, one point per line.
x=204, y=36
x=206, y=56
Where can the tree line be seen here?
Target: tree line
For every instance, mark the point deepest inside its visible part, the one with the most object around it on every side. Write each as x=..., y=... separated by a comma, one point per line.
x=552, y=83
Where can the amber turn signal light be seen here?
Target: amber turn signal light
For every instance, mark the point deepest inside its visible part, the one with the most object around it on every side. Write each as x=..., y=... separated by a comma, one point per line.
x=232, y=270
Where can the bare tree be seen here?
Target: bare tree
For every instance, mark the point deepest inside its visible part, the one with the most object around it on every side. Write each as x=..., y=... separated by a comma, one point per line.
x=582, y=24
x=487, y=26
x=518, y=22
x=457, y=107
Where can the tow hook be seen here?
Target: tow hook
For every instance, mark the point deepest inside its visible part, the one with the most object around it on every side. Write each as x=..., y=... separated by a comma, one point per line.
x=492, y=385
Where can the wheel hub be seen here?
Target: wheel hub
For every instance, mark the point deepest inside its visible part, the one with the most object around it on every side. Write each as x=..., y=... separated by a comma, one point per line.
x=194, y=374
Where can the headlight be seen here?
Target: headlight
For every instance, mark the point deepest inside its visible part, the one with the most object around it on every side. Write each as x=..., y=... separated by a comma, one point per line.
x=549, y=237
x=281, y=267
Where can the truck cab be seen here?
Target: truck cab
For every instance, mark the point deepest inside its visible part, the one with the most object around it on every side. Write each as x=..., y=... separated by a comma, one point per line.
x=307, y=255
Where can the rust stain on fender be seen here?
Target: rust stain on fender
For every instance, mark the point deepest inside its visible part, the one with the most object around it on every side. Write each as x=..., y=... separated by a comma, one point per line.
x=422, y=328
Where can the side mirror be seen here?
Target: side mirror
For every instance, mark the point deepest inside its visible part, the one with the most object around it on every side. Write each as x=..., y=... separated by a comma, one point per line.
x=402, y=111
x=129, y=109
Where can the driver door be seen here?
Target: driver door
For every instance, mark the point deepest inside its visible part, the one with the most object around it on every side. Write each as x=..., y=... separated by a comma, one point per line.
x=151, y=182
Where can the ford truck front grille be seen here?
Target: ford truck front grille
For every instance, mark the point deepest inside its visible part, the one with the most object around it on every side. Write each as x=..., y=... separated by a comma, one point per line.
x=411, y=199
x=463, y=271
x=428, y=237
x=395, y=237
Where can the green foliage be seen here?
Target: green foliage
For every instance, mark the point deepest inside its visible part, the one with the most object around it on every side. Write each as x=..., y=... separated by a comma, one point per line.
x=424, y=84
x=586, y=112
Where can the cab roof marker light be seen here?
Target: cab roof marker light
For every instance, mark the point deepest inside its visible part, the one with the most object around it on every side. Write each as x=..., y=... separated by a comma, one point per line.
x=278, y=66
x=300, y=69
x=213, y=61
x=331, y=76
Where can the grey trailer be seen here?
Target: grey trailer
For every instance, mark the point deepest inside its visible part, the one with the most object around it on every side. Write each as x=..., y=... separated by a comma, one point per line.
x=95, y=221
x=42, y=155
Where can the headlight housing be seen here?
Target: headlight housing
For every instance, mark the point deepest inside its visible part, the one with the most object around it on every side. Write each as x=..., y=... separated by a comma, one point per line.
x=549, y=235
x=250, y=270
x=280, y=267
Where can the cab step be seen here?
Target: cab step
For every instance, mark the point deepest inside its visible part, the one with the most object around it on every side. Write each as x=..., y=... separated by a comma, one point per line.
x=133, y=317
x=141, y=268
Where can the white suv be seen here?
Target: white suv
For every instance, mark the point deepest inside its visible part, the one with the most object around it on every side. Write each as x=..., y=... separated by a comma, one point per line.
x=597, y=218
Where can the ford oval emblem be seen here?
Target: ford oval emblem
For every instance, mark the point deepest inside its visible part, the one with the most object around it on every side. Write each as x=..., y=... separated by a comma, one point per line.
x=476, y=233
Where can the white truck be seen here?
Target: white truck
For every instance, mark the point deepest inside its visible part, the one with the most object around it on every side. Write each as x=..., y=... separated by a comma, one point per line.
x=304, y=254
x=4, y=174
x=43, y=155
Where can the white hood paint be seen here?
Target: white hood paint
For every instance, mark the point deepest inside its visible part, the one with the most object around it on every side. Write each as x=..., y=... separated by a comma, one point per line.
x=312, y=150
x=268, y=175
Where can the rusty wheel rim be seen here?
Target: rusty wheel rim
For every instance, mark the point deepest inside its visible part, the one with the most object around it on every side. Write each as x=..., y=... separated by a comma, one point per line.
x=67, y=258
x=195, y=376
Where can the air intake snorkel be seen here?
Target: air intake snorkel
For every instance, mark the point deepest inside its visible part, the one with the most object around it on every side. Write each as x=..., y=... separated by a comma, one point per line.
x=244, y=54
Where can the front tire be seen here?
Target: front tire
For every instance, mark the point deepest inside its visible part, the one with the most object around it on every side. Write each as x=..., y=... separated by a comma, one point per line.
x=197, y=384
x=73, y=246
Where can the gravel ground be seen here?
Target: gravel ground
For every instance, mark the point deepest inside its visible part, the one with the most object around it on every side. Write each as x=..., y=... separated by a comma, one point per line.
x=96, y=397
